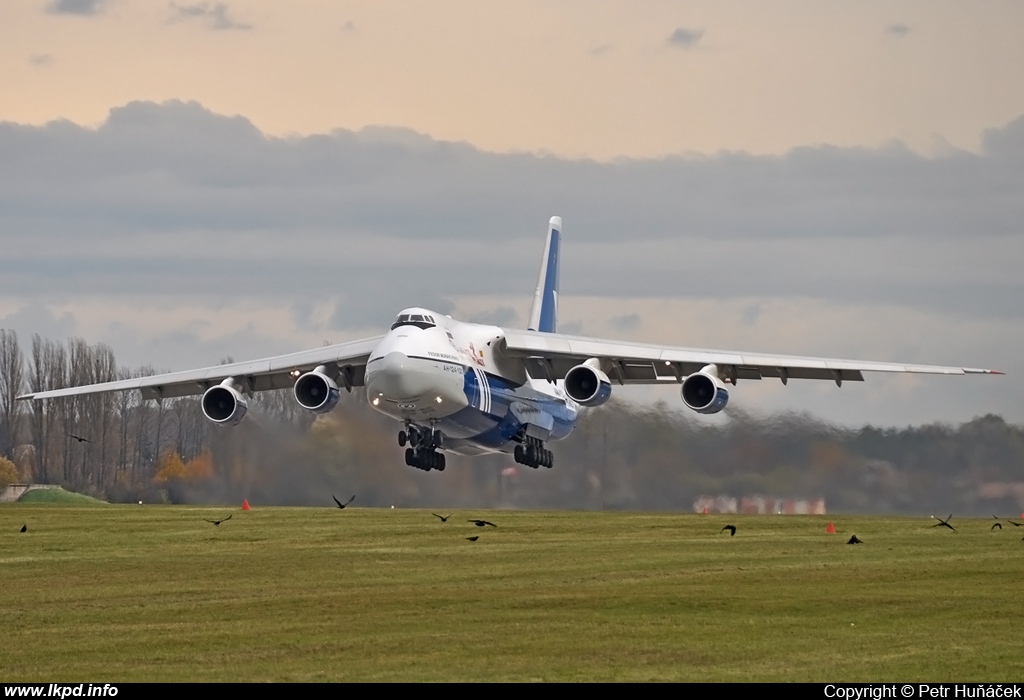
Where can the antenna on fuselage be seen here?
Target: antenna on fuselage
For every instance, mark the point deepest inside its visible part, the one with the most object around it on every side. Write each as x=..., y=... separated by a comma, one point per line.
x=544, y=313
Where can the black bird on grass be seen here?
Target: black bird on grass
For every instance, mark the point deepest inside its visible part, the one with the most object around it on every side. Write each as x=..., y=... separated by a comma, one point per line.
x=80, y=439
x=731, y=529
x=340, y=504
x=218, y=522
x=944, y=523
x=24, y=528
x=444, y=518
x=481, y=523
x=474, y=538
x=854, y=540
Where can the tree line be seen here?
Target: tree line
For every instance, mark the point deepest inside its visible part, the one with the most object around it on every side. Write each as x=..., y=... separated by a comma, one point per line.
x=121, y=448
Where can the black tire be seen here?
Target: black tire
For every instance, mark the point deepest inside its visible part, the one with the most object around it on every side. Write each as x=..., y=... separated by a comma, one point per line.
x=520, y=455
x=402, y=438
x=410, y=457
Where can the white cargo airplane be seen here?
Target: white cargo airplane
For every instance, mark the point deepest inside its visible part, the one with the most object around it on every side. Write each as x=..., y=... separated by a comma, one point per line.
x=470, y=389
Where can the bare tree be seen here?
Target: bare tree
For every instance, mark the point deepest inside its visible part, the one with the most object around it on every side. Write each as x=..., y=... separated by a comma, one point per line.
x=12, y=381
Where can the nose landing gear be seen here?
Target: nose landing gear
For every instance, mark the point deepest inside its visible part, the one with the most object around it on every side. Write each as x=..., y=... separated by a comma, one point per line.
x=423, y=444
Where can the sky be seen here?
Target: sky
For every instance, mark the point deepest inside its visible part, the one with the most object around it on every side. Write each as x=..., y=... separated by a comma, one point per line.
x=190, y=181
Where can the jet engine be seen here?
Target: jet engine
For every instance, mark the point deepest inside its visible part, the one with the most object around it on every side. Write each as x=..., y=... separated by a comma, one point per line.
x=224, y=405
x=587, y=385
x=316, y=392
x=704, y=392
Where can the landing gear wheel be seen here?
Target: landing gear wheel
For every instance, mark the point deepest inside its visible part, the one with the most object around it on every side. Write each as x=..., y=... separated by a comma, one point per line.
x=410, y=457
x=402, y=438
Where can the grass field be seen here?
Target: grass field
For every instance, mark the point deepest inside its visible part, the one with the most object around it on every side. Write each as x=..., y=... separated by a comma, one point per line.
x=154, y=593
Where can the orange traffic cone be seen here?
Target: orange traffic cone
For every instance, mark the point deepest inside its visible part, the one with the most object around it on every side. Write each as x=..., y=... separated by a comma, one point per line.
x=245, y=506
x=705, y=511
x=831, y=529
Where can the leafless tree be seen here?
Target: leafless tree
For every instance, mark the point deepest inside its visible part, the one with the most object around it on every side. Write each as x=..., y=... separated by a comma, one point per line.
x=12, y=381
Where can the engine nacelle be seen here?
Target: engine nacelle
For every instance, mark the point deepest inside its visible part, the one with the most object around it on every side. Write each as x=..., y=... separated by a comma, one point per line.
x=316, y=392
x=587, y=385
x=224, y=405
x=704, y=392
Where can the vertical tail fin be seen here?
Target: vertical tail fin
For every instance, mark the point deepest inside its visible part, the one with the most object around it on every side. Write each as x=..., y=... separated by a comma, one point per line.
x=544, y=314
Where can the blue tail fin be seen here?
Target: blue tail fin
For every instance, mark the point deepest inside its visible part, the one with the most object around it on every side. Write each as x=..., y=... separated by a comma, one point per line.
x=544, y=314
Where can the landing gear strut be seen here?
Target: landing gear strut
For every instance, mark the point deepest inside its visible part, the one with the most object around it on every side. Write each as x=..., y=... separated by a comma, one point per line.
x=422, y=451
x=532, y=453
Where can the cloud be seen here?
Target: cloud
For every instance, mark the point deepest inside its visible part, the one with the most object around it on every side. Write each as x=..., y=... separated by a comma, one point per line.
x=40, y=60
x=216, y=13
x=685, y=38
x=177, y=212
x=348, y=27
x=500, y=316
x=898, y=29
x=75, y=7
x=629, y=322
x=1006, y=142
x=601, y=49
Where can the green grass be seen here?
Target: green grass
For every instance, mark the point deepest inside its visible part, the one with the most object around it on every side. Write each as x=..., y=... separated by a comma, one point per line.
x=58, y=495
x=154, y=593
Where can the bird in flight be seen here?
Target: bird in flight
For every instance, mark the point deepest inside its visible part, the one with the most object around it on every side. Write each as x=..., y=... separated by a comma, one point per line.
x=444, y=518
x=854, y=540
x=474, y=538
x=24, y=528
x=944, y=523
x=481, y=523
x=731, y=529
x=340, y=504
x=80, y=439
x=218, y=522
x=995, y=525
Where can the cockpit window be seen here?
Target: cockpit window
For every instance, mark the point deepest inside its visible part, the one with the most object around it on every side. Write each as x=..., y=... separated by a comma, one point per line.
x=418, y=320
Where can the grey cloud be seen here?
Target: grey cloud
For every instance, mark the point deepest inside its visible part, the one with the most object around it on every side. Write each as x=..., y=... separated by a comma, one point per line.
x=685, y=38
x=898, y=29
x=751, y=314
x=348, y=27
x=41, y=320
x=40, y=60
x=173, y=198
x=500, y=316
x=1007, y=142
x=601, y=49
x=629, y=322
x=216, y=13
x=76, y=7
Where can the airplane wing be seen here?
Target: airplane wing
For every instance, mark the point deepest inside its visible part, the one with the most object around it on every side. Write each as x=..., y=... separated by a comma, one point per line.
x=256, y=375
x=552, y=355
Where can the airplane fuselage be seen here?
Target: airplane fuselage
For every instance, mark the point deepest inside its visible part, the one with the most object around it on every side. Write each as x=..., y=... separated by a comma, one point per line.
x=445, y=375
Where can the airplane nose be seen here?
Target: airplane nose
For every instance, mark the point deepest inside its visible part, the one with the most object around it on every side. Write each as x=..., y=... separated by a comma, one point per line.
x=398, y=378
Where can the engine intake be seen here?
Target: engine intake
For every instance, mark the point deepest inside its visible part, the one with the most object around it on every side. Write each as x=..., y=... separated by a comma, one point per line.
x=316, y=392
x=587, y=385
x=224, y=405
x=704, y=392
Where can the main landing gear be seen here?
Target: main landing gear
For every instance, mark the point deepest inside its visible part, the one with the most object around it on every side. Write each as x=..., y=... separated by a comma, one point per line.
x=422, y=451
x=532, y=453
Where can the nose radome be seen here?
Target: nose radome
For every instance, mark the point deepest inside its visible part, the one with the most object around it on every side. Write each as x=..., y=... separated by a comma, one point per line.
x=396, y=377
